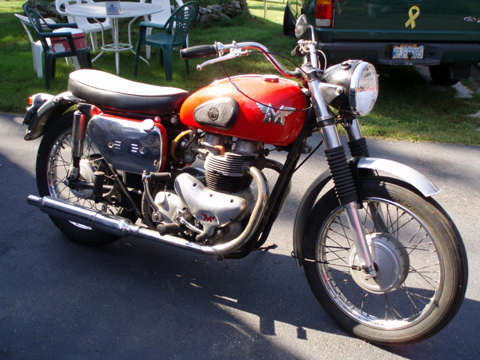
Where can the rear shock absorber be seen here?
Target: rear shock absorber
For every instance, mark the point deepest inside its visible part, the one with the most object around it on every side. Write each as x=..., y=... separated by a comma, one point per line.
x=81, y=117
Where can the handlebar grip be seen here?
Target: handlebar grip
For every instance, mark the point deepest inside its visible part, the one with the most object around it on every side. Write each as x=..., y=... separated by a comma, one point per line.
x=199, y=51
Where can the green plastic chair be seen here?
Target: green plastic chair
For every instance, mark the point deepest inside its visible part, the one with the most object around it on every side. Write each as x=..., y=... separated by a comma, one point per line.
x=40, y=26
x=176, y=27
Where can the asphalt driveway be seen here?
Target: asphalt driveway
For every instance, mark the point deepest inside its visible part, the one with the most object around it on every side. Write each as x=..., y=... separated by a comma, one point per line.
x=139, y=300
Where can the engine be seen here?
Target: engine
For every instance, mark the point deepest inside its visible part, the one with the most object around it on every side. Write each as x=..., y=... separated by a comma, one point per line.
x=213, y=204
x=224, y=169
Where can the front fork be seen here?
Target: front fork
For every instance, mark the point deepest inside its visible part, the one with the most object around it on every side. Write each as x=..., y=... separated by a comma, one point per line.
x=346, y=189
x=345, y=186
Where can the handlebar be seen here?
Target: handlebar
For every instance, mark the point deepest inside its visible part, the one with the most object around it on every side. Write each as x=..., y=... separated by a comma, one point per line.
x=196, y=52
x=235, y=50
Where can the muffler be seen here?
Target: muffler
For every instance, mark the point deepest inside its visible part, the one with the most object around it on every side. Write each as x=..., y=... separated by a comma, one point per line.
x=122, y=227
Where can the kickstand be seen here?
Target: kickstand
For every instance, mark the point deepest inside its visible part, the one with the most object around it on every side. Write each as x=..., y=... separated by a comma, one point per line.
x=266, y=248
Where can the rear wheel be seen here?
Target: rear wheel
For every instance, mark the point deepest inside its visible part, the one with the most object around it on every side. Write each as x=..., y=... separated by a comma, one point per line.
x=53, y=162
x=419, y=256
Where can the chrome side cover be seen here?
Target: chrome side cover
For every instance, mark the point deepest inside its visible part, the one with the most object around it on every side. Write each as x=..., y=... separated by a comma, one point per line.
x=126, y=144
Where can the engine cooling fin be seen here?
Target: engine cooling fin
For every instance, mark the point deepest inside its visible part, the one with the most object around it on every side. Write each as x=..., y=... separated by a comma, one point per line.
x=224, y=173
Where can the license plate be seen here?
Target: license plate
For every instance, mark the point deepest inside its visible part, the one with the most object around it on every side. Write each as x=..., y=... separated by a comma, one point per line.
x=408, y=52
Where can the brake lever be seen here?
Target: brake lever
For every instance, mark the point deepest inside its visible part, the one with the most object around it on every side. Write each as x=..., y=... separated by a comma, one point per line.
x=233, y=54
x=298, y=51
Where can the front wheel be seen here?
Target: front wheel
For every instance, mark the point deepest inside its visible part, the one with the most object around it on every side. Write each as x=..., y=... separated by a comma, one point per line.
x=419, y=256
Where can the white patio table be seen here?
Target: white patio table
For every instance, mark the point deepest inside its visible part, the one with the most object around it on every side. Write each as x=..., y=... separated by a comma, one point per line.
x=128, y=9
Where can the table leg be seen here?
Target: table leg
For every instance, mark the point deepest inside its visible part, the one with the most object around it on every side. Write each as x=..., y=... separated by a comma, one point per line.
x=130, y=38
x=117, y=47
x=103, y=40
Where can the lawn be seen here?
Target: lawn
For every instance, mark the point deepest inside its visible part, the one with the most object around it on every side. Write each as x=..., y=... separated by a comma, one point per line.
x=19, y=79
x=409, y=108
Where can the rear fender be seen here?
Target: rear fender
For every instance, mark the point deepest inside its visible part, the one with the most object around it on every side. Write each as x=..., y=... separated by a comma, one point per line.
x=403, y=172
x=42, y=114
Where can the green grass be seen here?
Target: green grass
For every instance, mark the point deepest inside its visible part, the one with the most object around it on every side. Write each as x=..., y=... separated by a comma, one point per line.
x=408, y=107
x=19, y=79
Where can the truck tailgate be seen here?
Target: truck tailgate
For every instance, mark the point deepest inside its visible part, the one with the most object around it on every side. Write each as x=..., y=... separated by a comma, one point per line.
x=405, y=20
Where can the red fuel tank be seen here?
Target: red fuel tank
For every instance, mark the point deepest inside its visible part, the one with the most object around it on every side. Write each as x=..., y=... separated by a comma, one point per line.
x=269, y=114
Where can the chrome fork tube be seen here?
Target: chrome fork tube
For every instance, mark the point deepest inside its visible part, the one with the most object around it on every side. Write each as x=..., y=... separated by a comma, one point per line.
x=361, y=245
x=322, y=111
x=330, y=136
x=354, y=131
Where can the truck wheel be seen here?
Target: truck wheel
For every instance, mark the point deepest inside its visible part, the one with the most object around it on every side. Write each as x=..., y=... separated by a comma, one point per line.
x=288, y=27
x=442, y=75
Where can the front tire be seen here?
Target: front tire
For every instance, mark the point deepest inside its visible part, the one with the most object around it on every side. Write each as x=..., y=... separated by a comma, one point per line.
x=53, y=161
x=419, y=255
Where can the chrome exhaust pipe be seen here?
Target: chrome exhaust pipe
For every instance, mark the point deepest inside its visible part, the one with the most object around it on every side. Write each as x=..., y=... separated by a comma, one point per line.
x=122, y=227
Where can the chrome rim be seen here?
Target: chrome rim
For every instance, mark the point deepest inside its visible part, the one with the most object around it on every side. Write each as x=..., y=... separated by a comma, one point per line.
x=419, y=282
x=59, y=161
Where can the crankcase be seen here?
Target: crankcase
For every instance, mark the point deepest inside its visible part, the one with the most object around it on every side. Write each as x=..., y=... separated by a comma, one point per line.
x=211, y=208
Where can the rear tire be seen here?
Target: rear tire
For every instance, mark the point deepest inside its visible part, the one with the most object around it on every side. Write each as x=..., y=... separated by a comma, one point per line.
x=420, y=257
x=53, y=162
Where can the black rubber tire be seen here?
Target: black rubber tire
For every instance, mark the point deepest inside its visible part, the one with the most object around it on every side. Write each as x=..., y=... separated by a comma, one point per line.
x=76, y=232
x=288, y=27
x=333, y=283
x=441, y=75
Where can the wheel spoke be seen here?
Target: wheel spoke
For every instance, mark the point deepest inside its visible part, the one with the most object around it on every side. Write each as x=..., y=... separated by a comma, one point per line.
x=59, y=167
x=395, y=226
x=428, y=279
x=396, y=314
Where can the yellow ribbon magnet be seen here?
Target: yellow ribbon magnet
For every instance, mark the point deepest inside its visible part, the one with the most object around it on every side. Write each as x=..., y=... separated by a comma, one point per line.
x=413, y=14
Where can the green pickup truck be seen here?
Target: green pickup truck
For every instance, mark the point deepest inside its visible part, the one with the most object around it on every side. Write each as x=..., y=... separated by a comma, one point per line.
x=441, y=34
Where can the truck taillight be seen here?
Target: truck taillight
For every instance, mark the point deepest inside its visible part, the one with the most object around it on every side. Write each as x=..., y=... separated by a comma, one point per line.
x=324, y=13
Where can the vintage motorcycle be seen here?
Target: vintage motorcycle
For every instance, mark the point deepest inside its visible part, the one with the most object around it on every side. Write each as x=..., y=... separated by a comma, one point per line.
x=381, y=256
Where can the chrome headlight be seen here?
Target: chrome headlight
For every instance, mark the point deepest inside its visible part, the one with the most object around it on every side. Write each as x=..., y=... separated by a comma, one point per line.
x=359, y=81
x=363, y=89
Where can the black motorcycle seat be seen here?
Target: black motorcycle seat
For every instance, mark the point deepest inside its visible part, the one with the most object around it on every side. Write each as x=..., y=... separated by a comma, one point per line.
x=109, y=91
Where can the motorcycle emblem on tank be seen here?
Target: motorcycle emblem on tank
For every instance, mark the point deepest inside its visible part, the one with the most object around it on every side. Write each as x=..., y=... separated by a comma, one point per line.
x=275, y=117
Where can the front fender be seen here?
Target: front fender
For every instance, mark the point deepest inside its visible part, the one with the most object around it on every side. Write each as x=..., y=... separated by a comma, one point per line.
x=401, y=171
x=38, y=119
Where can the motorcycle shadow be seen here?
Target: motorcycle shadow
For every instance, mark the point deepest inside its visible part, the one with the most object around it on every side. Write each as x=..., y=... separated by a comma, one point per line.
x=152, y=298
x=184, y=302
